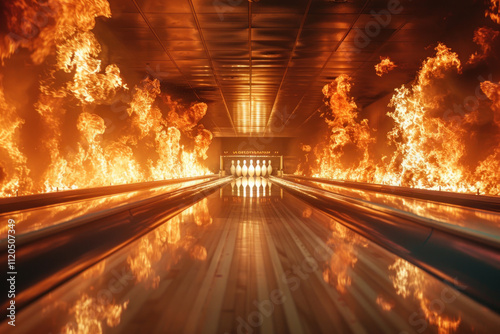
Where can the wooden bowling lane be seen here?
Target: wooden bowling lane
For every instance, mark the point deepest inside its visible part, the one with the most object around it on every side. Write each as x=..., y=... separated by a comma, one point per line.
x=272, y=264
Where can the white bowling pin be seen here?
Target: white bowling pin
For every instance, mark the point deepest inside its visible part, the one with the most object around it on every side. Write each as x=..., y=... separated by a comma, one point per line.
x=244, y=170
x=257, y=168
x=238, y=185
x=251, y=169
x=238, y=169
x=233, y=168
x=263, y=168
x=269, y=168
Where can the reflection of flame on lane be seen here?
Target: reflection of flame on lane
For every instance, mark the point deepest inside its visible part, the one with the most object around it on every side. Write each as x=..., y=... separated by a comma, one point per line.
x=201, y=213
x=344, y=243
x=168, y=243
x=90, y=314
x=168, y=147
x=410, y=281
x=384, y=66
x=384, y=304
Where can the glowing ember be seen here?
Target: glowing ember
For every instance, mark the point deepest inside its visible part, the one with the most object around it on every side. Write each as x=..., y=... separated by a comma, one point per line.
x=384, y=66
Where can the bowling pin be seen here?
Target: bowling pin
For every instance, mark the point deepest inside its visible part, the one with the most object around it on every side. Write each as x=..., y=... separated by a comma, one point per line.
x=251, y=169
x=244, y=170
x=233, y=169
x=269, y=168
x=257, y=168
x=238, y=169
x=264, y=168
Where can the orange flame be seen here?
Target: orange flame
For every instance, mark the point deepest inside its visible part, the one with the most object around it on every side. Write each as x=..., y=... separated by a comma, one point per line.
x=483, y=37
x=155, y=147
x=429, y=150
x=384, y=66
x=345, y=131
x=493, y=11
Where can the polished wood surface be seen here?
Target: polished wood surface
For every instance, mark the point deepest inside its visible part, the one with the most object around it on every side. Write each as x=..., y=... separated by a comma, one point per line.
x=254, y=263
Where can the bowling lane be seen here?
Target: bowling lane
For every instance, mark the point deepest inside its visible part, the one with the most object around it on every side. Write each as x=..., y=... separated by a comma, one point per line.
x=469, y=219
x=41, y=217
x=256, y=261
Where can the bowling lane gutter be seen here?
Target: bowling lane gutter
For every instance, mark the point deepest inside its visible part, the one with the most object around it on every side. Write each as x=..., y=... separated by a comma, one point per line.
x=49, y=257
x=457, y=257
x=11, y=204
x=483, y=202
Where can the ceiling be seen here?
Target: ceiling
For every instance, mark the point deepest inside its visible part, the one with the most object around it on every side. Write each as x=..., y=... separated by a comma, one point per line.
x=261, y=65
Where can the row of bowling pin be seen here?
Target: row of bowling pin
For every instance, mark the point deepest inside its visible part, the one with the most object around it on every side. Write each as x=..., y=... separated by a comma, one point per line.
x=251, y=171
x=252, y=183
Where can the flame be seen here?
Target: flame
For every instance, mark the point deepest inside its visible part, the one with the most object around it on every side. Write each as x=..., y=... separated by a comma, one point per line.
x=161, y=141
x=90, y=314
x=493, y=11
x=39, y=25
x=13, y=170
x=429, y=150
x=410, y=281
x=483, y=37
x=345, y=131
x=384, y=66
